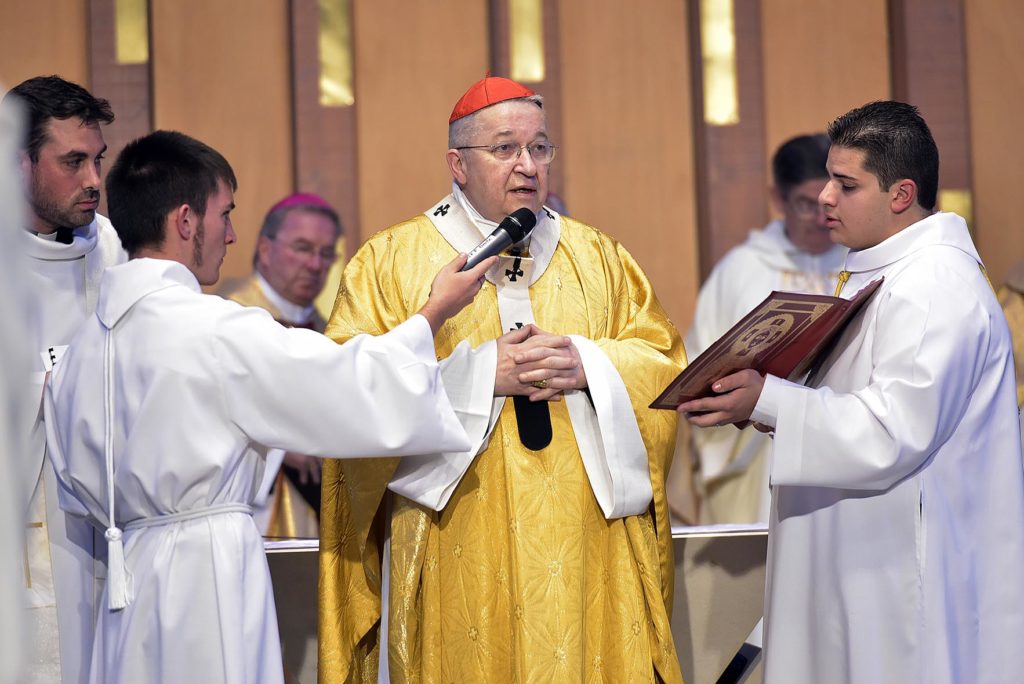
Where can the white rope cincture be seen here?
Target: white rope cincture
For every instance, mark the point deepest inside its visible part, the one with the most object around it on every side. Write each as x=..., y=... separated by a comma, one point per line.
x=118, y=578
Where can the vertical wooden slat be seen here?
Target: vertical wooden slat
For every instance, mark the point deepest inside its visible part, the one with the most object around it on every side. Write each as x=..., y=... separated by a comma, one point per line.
x=325, y=137
x=221, y=74
x=731, y=159
x=935, y=80
x=500, y=52
x=550, y=88
x=126, y=86
x=628, y=135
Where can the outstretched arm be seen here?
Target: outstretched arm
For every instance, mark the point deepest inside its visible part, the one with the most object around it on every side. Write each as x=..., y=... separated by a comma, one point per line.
x=453, y=289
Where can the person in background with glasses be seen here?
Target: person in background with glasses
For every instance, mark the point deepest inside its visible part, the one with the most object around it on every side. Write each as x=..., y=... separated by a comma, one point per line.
x=294, y=252
x=791, y=253
x=542, y=553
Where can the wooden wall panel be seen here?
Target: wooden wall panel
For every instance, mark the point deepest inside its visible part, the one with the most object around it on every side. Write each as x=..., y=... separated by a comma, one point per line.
x=934, y=80
x=995, y=76
x=325, y=137
x=627, y=149
x=822, y=58
x=409, y=75
x=43, y=37
x=126, y=86
x=731, y=159
x=550, y=88
x=221, y=74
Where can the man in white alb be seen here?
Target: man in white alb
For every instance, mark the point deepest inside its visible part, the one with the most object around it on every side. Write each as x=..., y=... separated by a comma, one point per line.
x=794, y=254
x=896, y=536
x=68, y=245
x=15, y=374
x=160, y=415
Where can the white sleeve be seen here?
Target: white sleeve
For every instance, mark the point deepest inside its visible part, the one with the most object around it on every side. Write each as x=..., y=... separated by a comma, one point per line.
x=468, y=376
x=275, y=457
x=294, y=389
x=924, y=369
x=608, y=436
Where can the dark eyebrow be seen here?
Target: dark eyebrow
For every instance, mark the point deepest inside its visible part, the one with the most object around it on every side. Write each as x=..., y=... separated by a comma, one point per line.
x=80, y=154
x=843, y=176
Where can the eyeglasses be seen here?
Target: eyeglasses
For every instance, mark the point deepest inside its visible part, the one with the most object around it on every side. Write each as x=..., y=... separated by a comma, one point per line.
x=306, y=250
x=541, y=151
x=805, y=207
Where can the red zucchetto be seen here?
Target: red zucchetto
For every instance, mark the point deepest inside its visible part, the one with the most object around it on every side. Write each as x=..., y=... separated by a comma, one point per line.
x=301, y=198
x=485, y=92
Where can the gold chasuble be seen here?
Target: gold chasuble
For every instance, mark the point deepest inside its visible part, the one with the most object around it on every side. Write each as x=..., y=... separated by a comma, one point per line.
x=247, y=292
x=520, y=577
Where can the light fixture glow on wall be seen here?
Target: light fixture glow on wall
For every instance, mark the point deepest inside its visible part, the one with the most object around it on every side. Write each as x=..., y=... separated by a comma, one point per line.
x=335, y=49
x=958, y=201
x=718, y=52
x=526, y=40
x=131, y=31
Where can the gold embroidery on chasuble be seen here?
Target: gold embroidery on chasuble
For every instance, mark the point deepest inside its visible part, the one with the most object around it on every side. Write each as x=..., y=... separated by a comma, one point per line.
x=520, y=577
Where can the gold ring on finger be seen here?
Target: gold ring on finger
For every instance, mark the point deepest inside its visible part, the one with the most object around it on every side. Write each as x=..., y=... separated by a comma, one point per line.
x=540, y=384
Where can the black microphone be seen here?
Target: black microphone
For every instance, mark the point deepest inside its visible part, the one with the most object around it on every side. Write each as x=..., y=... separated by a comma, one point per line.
x=511, y=230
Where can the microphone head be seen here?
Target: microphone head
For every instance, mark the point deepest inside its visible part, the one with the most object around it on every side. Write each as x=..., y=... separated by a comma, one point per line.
x=519, y=223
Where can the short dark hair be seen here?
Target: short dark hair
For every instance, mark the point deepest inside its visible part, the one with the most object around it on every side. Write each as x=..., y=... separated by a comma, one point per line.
x=799, y=159
x=51, y=97
x=896, y=143
x=155, y=174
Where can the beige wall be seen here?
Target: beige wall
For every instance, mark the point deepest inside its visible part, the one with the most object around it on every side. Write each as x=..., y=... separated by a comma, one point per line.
x=408, y=78
x=995, y=79
x=221, y=74
x=627, y=155
x=820, y=60
x=222, y=71
x=43, y=37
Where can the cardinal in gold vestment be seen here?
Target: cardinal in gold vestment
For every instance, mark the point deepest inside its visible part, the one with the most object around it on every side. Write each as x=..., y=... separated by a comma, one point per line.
x=524, y=570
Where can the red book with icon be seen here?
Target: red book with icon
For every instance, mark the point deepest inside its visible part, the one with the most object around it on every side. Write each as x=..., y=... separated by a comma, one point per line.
x=786, y=335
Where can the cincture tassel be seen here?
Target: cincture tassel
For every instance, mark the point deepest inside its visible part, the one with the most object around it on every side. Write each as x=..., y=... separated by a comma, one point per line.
x=118, y=593
x=118, y=585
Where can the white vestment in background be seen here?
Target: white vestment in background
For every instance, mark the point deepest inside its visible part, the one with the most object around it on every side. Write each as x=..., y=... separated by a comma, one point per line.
x=896, y=547
x=14, y=376
x=60, y=293
x=747, y=274
x=200, y=388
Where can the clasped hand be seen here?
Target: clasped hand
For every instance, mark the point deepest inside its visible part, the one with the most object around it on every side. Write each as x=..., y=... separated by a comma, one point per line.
x=536, y=364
